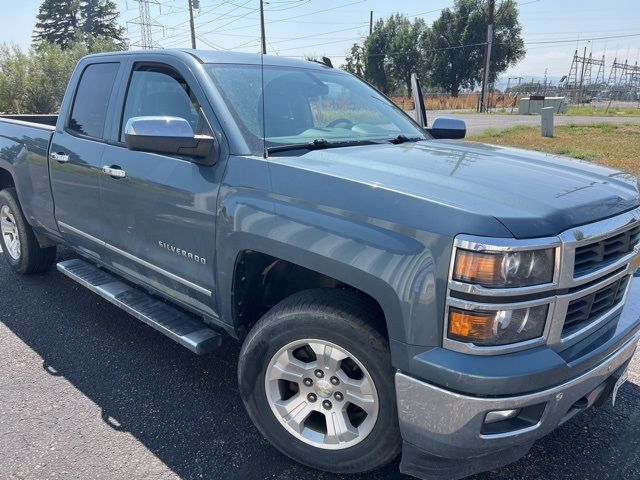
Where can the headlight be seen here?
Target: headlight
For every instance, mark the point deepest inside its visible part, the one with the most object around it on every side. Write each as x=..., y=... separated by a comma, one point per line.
x=504, y=269
x=493, y=328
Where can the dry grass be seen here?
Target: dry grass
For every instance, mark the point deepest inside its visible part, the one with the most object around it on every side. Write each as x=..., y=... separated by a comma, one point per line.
x=617, y=146
x=614, y=111
x=466, y=101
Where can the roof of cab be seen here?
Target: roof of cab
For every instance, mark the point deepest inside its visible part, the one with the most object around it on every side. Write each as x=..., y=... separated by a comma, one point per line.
x=216, y=56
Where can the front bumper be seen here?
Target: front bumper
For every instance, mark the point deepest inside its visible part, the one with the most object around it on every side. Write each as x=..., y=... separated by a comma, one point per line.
x=445, y=433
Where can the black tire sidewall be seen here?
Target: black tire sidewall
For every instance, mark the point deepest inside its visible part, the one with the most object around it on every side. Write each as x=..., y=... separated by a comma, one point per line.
x=369, y=349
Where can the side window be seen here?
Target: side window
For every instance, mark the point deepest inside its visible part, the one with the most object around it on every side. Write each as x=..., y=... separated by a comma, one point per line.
x=160, y=91
x=90, y=104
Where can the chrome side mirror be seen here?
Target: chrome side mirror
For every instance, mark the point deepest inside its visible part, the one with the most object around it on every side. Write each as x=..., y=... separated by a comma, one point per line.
x=169, y=135
x=448, y=127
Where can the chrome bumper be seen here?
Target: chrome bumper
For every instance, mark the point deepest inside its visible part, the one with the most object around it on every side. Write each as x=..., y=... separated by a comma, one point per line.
x=449, y=424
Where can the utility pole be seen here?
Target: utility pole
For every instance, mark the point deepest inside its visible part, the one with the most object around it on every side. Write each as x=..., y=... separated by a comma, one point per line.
x=371, y=22
x=487, y=58
x=192, y=25
x=263, y=41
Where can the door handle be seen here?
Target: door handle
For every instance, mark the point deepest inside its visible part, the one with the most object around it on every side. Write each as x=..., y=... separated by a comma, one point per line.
x=115, y=172
x=59, y=157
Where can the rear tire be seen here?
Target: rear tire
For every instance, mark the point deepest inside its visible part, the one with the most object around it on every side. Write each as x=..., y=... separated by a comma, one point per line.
x=329, y=430
x=20, y=246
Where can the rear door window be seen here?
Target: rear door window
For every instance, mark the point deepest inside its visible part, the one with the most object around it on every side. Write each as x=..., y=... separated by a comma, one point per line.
x=89, y=111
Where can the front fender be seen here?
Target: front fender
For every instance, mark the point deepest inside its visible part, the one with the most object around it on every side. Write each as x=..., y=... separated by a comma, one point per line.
x=400, y=270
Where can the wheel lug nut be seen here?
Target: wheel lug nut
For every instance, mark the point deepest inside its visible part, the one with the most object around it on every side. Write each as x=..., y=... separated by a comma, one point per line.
x=338, y=396
x=335, y=381
x=308, y=382
x=312, y=397
x=319, y=373
x=327, y=404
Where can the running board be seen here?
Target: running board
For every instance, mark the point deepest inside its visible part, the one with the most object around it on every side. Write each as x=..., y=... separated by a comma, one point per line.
x=185, y=329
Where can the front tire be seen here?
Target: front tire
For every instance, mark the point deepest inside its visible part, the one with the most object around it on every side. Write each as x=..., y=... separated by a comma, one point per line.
x=316, y=379
x=20, y=246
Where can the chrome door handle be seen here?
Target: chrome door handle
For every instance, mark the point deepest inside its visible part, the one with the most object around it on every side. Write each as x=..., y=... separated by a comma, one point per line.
x=114, y=172
x=59, y=157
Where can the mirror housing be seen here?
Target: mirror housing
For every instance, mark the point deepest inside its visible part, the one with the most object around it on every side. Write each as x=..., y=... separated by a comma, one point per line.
x=448, y=127
x=169, y=135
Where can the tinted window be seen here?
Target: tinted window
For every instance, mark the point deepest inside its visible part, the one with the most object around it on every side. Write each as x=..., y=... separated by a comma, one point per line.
x=158, y=91
x=92, y=99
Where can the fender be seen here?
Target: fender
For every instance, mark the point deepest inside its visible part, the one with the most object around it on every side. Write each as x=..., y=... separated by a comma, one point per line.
x=394, y=268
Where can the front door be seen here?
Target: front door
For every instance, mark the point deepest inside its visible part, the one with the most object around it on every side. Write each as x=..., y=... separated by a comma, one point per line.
x=160, y=213
x=75, y=159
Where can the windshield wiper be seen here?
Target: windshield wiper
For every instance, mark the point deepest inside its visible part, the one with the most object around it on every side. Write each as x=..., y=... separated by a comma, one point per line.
x=403, y=139
x=318, y=144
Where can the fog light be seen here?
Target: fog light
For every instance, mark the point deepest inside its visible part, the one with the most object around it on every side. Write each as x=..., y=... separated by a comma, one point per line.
x=499, y=415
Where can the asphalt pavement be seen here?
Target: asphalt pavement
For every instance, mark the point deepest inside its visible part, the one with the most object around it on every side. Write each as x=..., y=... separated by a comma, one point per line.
x=87, y=391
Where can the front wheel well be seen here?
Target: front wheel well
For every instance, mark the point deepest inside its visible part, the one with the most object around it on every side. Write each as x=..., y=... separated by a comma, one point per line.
x=261, y=281
x=6, y=180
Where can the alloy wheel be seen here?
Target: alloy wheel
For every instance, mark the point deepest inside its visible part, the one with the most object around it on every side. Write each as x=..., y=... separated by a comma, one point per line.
x=321, y=394
x=9, y=230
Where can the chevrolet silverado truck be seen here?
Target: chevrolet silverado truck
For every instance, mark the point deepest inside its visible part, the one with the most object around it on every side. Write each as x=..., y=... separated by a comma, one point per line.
x=396, y=289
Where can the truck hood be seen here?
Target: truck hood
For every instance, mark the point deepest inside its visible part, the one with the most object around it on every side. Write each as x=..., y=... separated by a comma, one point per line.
x=532, y=194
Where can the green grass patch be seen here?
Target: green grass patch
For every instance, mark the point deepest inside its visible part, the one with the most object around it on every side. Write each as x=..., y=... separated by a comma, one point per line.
x=617, y=146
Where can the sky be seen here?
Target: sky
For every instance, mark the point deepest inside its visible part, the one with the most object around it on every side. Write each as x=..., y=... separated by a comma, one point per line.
x=552, y=29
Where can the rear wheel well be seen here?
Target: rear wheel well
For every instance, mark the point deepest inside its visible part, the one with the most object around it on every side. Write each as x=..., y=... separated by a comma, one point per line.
x=6, y=180
x=261, y=281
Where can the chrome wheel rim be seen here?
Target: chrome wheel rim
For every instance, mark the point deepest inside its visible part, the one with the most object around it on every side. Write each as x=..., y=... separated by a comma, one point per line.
x=321, y=394
x=9, y=230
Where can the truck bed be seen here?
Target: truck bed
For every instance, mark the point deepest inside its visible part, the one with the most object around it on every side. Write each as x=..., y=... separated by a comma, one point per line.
x=39, y=121
x=24, y=148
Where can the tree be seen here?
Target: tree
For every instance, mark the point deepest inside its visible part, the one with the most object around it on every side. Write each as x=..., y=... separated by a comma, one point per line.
x=35, y=81
x=354, y=63
x=389, y=55
x=58, y=21
x=405, y=56
x=100, y=22
x=454, y=45
x=14, y=75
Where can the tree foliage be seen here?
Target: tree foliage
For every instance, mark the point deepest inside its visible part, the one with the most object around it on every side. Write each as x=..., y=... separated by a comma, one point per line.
x=35, y=81
x=447, y=55
x=58, y=21
x=390, y=54
x=65, y=22
x=100, y=22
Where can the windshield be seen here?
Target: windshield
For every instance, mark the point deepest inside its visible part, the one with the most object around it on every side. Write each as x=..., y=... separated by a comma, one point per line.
x=302, y=106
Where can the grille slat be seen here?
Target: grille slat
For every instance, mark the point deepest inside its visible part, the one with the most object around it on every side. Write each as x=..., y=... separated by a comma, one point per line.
x=584, y=310
x=598, y=254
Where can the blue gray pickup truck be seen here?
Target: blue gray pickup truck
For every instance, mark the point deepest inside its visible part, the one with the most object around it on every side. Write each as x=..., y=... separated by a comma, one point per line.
x=396, y=290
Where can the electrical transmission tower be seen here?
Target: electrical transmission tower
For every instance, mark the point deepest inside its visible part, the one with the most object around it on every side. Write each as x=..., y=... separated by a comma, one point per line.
x=624, y=80
x=580, y=80
x=145, y=22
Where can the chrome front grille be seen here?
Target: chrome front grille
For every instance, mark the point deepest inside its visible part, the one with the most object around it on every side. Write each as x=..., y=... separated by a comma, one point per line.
x=594, y=256
x=583, y=310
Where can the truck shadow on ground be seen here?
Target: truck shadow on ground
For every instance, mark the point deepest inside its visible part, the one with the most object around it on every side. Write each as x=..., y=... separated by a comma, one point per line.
x=186, y=410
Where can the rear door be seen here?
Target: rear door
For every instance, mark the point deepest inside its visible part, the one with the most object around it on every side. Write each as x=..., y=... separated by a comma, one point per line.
x=160, y=216
x=75, y=157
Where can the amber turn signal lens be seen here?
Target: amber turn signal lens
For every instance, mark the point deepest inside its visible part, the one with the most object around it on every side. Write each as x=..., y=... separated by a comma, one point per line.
x=477, y=267
x=469, y=326
x=497, y=327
